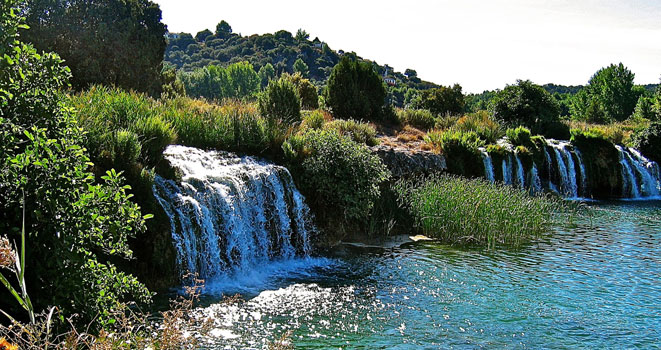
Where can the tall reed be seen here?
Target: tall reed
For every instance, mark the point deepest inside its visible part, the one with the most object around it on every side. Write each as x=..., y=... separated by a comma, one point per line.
x=474, y=211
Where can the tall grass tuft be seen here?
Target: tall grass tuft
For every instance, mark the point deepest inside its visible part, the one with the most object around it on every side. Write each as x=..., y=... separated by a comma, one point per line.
x=359, y=132
x=474, y=211
x=419, y=118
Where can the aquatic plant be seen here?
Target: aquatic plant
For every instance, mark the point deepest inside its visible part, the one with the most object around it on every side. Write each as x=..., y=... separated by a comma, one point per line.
x=474, y=211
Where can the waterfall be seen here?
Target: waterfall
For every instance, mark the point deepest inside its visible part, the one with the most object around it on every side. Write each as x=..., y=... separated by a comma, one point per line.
x=571, y=170
x=640, y=176
x=549, y=168
x=535, y=181
x=584, y=178
x=519, y=172
x=488, y=166
x=562, y=170
x=231, y=214
x=507, y=172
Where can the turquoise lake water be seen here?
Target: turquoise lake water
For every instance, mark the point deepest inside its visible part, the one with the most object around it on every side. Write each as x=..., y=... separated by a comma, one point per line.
x=594, y=285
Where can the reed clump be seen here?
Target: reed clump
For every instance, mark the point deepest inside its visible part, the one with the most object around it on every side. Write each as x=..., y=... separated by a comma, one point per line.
x=457, y=210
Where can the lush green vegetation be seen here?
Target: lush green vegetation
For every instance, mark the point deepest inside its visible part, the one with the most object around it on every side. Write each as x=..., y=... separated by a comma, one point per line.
x=76, y=224
x=238, y=80
x=339, y=176
x=453, y=209
x=122, y=46
x=648, y=141
x=355, y=91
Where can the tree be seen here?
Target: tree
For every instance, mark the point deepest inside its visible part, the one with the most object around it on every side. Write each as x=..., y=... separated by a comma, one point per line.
x=443, y=100
x=613, y=88
x=114, y=42
x=301, y=68
x=266, y=74
x=76, y=224
x=644, y=109
x=203, y=35
x=280, y=103
x=223, y=29
x=355, y=91
x=244, y=81
x=302, y=35
x=525, y=104
x=307, y=92
x=648, y=141
x=410, y=73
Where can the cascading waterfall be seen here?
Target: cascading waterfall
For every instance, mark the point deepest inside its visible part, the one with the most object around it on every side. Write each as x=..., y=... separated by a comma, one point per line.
x=230, y=213
x=488, y=166
x=640, y=176
x=520, y=172
x=507, y=170
x=565, y=171
x=581, y=165
x=549, y=169
x=535, y=181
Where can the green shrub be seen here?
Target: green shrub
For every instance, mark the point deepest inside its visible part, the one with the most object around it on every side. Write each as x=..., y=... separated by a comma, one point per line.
x=357, y=131
x=126, y=147
x=280, y=102
x=418, y=118
x=338, y=176
x=306, y=90
x=648, y=141
x=155, y=135
x=461, y=150
x=519, y=136
x=482, y=124
x=77, y=225
x=474, y=211
x=355, y=90
x=552, y=129
x=313, y=119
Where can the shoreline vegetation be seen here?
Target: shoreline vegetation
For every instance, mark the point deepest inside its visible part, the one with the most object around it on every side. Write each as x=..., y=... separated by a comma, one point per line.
x=80, y=146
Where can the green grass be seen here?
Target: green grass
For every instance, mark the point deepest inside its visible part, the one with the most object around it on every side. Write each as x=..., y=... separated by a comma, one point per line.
x=474, y=211
x=357, y=131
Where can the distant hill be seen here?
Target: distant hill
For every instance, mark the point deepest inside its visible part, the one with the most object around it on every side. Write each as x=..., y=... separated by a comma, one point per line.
x=281, y=49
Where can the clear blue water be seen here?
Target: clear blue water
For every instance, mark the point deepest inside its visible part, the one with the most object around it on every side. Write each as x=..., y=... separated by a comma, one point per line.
x=595, y=285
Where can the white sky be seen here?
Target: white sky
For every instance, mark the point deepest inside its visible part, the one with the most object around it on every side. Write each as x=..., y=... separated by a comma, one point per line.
x=478, y=44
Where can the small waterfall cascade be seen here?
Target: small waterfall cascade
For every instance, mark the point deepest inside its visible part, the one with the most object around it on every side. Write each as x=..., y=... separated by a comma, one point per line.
x=535, y=180
x=561, y=168
x=521, y=181
x=640, y=176
x=507, y=170
x=231, y=213
x=488, y=165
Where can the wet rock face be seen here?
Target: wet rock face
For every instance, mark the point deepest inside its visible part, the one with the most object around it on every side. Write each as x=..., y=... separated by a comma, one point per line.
x=405, y=162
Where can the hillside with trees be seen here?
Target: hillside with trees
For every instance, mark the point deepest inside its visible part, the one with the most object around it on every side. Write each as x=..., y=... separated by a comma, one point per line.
x=278, y=53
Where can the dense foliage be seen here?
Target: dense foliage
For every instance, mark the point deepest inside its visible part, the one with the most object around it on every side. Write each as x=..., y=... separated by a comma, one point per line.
x=75, y=224
x=238, y=80
x=442, y=100
x=123, y=45
x=609, y=95
x=355, y=91
x=339, y=176
x=454, y=209
x=648, y=141
x=280, y=102
x=526, y=104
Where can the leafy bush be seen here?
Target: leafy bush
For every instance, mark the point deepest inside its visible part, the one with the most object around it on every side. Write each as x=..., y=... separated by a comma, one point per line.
x=525, y=104
x=306, y=90
x=461, y=150
x=419, y=118
x=313, y=119
x=355, y=91
x=465, y=211
x=280, y=102
x=482, y=124
x=648, y=141
x=357, y=131
x=76, y=225
x=338, y=176
x=519, y=136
